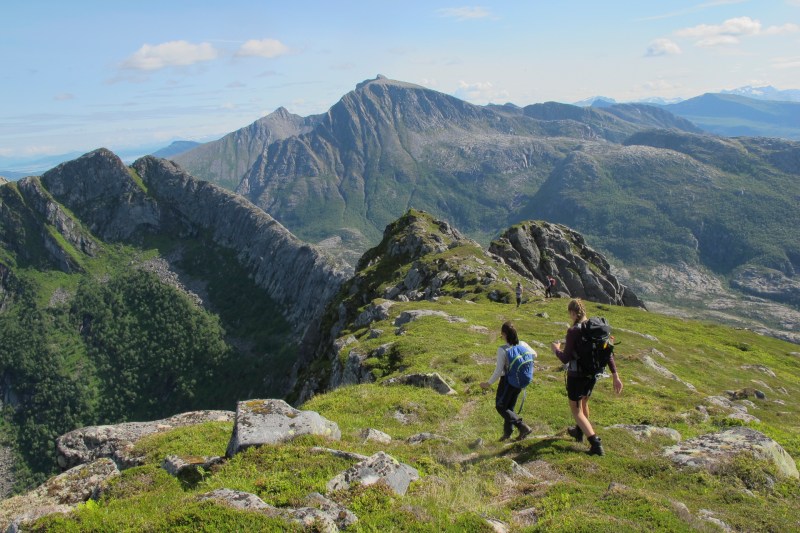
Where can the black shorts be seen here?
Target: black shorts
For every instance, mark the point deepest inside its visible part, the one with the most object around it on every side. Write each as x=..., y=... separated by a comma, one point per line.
x=579, y=387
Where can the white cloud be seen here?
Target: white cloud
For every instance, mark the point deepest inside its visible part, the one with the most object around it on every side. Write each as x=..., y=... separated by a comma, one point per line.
x=169, y=54
x=480, y=92
x=731, y=31
x=262, y=48
x=464, y=13
x=662, y=47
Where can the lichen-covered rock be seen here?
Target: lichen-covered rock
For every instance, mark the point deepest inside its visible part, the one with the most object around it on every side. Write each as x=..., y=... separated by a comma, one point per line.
x=116, y=441
x=260, y=422
x=709, y=450
x=343, y=517
x=59, y=494
x=663, y=371
x=373, y=313
x=431, y=381
x=379, y=467
x=419, y=438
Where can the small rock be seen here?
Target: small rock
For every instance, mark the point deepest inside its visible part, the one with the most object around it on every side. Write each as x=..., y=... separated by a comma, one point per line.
x=239, y=500
x=543, y=315
x=432, y=381
x=708, y=516
x=497, y=525
x=479, y=329
x=409, y=316
x=422, y=437
x=352, y=456
x=760, y=368
x=476, y=444
x=744, y=417
x=370, y=434
x=375, y=333
x=378, y=467
x=519, y=470
x=187, y=469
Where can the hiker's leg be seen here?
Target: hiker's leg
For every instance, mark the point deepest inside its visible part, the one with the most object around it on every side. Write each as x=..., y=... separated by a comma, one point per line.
x=580, y=418
x=504, y=404
x=585, y=406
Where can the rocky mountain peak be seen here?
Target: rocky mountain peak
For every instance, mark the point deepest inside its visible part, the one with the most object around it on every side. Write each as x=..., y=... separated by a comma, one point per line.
x=537, y=249
x=103, y=193
x=413, y=235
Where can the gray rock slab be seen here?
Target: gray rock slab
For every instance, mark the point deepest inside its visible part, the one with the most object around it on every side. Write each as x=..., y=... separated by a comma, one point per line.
x=340, y=514
x=79, y=484
x=241, y=500
x=260, y=422
x=709, y=450
x=351, y=456
x=378, y=467
x=116, y=441
x=432, y=381
x=409, y=316
x=650, y=363
x=645, y=431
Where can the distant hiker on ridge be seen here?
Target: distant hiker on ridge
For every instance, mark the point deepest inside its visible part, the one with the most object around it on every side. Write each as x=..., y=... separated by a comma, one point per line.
x=515, y=369
x=585, y=359
x=519, y=293
x=549, y=291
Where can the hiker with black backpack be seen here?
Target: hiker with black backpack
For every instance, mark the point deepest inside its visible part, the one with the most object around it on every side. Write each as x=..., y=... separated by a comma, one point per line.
x=514, y=368
x=587, y=350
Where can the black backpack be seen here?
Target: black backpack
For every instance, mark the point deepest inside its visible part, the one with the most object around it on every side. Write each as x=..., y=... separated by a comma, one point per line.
x=594, y=347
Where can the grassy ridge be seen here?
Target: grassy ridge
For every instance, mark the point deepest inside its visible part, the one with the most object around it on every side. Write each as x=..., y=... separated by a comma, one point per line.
x=461, y=486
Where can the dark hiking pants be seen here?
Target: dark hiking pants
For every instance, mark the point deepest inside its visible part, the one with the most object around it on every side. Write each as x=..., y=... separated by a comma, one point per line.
x=504, y=403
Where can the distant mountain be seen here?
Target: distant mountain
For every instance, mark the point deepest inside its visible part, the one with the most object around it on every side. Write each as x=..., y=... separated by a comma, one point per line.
x=10, y=175
x=766, y=93
x=226, y=160
x=174, y=149
x=733, y=116
x=596, y=101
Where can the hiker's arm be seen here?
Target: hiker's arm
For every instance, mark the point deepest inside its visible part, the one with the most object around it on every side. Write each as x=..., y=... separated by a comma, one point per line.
x=498, y=368
x=565, y=354
x=612, y=365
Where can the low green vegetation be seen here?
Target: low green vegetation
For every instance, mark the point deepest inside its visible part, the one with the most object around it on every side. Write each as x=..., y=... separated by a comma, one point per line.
x=632, y=488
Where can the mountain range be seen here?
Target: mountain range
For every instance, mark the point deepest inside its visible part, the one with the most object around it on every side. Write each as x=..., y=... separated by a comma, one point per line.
x=648, y=187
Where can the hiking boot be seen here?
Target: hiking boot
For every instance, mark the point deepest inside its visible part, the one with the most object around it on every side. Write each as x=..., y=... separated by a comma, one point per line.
x=505, y=437
x=524, y=431
x=596, y=448
x=576, y=433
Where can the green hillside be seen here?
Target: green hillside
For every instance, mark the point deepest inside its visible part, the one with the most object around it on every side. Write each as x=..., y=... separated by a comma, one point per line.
x=470, y=477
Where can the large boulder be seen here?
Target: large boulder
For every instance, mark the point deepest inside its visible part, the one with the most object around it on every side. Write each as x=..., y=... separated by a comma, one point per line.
x=59, y=494
x=378, y=467
x=707, y=451
x=116, y=441
x=261, y=422
x=430, y=381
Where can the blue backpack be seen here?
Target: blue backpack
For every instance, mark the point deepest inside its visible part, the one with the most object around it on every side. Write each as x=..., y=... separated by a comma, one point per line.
x=519, y=366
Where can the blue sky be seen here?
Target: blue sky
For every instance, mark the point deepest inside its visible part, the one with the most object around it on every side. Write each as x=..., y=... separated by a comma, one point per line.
x=125, y=75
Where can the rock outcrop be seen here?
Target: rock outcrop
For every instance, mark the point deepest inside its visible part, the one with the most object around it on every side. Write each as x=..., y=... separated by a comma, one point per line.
x=260, y=422
x=59, y=494
x=116, y=441
x=380, y=467
x=708, y=451
x=537, y=249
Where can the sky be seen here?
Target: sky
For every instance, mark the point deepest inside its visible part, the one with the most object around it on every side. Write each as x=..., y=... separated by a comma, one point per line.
x=135, y=76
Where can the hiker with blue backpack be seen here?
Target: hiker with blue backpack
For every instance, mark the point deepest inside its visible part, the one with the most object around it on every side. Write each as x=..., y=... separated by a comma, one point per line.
x=514, y=369
x=587, y=350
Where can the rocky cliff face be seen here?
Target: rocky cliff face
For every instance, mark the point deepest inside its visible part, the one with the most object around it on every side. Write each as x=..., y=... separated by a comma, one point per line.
x=226, y=160
x=101, y=191
x=539, y=249
x=297, y=276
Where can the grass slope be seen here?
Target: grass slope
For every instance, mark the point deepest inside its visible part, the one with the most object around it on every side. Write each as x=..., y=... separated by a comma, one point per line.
x=568, y=490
